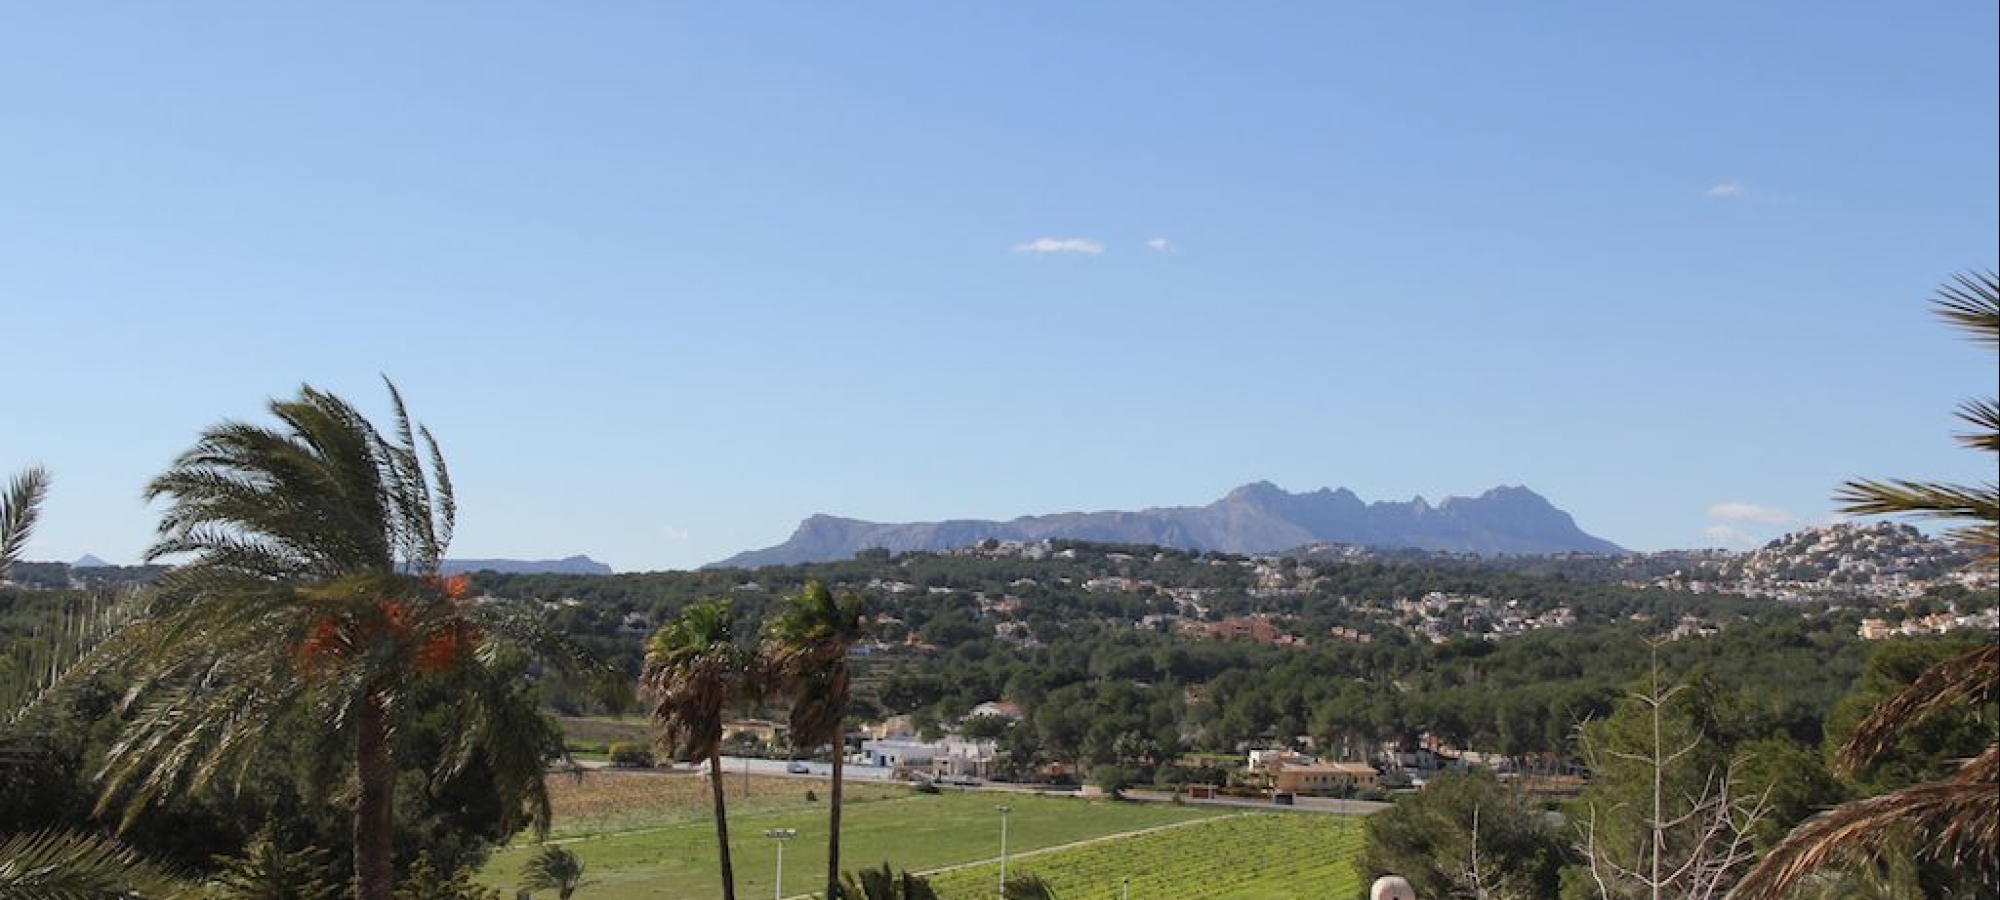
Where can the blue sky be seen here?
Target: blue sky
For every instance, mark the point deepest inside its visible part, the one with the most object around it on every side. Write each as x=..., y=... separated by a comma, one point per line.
x=666, y=278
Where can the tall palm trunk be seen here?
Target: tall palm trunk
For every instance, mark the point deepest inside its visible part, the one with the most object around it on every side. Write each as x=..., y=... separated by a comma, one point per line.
x=833, y=832
x=721, y=825
x=375, y=805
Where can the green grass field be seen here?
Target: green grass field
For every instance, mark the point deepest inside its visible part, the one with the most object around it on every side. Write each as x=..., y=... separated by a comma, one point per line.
x=1246, y=856
x=650, y=836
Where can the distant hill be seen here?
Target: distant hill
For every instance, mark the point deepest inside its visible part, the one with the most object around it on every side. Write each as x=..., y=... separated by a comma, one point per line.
x=1851, y=552
x=570, y=565
x=89, y=561
x=1255, y=518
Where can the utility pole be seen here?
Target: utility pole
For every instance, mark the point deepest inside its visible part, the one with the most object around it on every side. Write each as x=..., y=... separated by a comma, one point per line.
x=1004, y=810
x=781, y=835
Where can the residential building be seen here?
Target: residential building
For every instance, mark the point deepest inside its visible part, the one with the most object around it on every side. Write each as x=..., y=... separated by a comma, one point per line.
x=1323, y=778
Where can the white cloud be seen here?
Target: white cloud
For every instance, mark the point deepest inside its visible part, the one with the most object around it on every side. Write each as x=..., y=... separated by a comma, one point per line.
x=1060, y=245
x=1160, y=245
x=1750, y=512
x=1727, y=190
x=1725, y=536
x=673, y=533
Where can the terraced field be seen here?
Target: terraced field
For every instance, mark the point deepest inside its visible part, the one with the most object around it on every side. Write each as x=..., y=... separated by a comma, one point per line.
x=1249, y=856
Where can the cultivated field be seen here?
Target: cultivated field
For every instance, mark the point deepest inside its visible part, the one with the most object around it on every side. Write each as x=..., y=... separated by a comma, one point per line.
x=644, y=835
x=1247, y=856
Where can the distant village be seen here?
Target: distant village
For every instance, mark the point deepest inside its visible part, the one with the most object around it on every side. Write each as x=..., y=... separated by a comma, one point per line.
x=894, y=747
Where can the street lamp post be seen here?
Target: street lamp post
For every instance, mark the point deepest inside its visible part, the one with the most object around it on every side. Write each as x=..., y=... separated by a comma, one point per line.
x=781, y=835
x=1004, y=810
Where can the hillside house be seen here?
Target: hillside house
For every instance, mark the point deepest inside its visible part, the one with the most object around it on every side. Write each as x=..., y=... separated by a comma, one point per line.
x=901, y=754
x=764, y=730
x=1006, y=709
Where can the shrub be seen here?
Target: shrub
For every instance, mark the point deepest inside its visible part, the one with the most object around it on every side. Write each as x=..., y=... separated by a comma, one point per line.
x=1112, y=780
x=628, y=755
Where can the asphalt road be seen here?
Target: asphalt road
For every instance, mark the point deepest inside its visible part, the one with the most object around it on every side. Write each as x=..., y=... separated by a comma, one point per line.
x=737, y=765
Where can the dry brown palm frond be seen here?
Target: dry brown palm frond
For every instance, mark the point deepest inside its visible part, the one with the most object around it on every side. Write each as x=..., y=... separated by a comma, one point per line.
x=1963, y=681
x=1958, y=819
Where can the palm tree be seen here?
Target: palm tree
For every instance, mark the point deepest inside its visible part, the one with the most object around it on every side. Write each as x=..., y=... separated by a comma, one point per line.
x=553, y=868
x=1027, y=887
x=1955, y=819
x=694, y=670
x=806, y=646
x=884, y=884
x=311, y=583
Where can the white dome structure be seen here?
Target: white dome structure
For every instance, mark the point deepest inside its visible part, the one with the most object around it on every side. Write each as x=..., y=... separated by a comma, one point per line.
x=1391, y=887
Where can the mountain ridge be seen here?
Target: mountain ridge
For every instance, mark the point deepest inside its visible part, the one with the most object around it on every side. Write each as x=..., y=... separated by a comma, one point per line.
x=568, y=565
x=1253, y=518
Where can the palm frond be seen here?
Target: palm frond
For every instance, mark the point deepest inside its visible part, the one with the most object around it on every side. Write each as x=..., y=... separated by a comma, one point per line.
x=446, y=508
x=498, y=725
x=1964, y=681
x=886, y=883
x=1922, y=498
x=410, y=491
x=68, y=650
x=55, y=865
x=1931, y=500
x=552, y=868
x=1957, y=818
x=1972, y=303
x=1027, y=887
x=528, y=630
x=19, y=508
x=1984, y=417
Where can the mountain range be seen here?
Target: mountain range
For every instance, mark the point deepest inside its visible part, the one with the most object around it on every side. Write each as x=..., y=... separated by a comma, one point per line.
x=569, y=565
x=1255, y=518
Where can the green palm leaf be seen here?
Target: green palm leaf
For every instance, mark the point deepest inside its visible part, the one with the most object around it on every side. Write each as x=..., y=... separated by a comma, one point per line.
x=1956, y=820
x=54, y=865
x=19, y=508
x=553, y=868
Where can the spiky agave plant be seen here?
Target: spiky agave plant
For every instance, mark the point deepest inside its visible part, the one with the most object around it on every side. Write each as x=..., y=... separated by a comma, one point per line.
x=1954, y=820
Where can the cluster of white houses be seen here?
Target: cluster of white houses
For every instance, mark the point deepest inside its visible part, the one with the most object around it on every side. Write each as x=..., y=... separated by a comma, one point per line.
x=893, y=744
